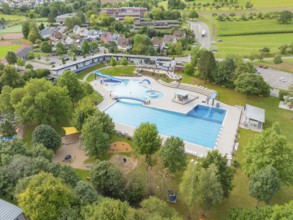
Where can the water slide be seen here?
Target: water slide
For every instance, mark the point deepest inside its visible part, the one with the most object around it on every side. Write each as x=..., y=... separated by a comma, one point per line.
x=132, y=98
x=145, y=80
x=108, y=77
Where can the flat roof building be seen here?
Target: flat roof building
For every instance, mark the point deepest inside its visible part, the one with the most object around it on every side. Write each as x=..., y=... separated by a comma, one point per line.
x=120, y=13
x=254, y=117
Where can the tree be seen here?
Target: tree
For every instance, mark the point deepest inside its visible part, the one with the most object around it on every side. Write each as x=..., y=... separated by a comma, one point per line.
x=81, y=113
x=107, y=179
x=278, y=59
x=193, y=14
x=39, y=150
x=6, y=107
x=107, y=209
x=147, y=140
x=25, y=28
x=124, y=61
x=134, y=190
x=128, y=20
x=45, y=197
x=248, y=5
x=206, y=64
x=201, y=185
x=42, y=26
x=70, y=81
x=10, y=77
x=264, y=184
x=225, y=172
x=96, y=133
x=46, y=47
x=225, y=71
x=251, y=84
x=173, y=154
x=154, y=206
x=60, y=49
x=269, y=148
x=7, y=129
x=46, y=135
x=85, y=193
x=33, y=34
x=11, y=57
x=285, y=17
x=141, y=42
x=188, y=69
x=113, y=62
x=41, y=102
x=85, y=48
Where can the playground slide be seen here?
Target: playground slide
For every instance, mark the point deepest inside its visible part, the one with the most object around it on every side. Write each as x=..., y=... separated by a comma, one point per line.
x=108, y=77
x=132, y=98
x=145, y=80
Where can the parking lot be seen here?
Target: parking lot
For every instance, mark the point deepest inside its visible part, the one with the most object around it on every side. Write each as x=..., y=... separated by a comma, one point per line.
x=276, y=78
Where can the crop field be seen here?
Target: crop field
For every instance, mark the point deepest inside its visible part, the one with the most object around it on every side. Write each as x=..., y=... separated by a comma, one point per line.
x=5, y=49
x=245, y=45
x=230, y=28
x=12, y=29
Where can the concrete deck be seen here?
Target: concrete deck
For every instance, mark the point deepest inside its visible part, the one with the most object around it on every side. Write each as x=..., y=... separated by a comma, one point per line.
x=227, y=134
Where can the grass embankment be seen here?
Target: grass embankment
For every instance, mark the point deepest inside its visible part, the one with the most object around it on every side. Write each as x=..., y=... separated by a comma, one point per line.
x=114, y=71
x=287, y=65
x=4, y=49
x=82, y=74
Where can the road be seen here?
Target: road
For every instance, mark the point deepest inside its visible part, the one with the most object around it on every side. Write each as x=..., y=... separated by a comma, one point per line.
x=276, y=78
x=197, y=27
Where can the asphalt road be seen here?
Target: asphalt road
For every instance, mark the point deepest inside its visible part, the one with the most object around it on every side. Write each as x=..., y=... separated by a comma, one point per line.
x=197, y=27
x=276, y=78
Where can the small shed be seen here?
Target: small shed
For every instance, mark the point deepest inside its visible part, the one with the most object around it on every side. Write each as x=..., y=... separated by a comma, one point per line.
x=9, y=211
x=254, y=117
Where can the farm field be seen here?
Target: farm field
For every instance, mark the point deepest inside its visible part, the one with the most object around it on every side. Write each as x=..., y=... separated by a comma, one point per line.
x=245, y=45
x=287, y=65
x=267, y=26
x=5, y=49
x=12, y=29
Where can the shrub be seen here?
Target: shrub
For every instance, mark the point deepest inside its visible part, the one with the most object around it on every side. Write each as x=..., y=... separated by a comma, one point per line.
x=278, y=59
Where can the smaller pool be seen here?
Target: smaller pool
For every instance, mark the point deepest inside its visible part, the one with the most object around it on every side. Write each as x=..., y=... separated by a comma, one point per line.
x=154, y=94
x=208, y=113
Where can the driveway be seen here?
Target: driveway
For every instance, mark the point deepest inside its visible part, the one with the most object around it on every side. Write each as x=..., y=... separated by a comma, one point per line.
x=276, y=78
x=197, y=27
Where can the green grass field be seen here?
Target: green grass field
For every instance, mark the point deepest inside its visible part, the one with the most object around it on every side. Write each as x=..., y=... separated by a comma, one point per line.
x=5, y=49
x=12, y=29
x=245, y=45
x=12, y=17
x=230, y=28
x=287, y=65
x=269, y=3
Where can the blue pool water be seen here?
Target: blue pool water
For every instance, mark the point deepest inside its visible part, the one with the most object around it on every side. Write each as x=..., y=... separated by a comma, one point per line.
x=134, y=89
x=200, y=126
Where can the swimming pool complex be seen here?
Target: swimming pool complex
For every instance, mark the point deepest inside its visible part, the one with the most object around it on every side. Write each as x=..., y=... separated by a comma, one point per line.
x=200, y=126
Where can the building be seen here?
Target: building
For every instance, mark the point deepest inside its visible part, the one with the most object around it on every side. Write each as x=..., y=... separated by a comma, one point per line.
x=9, y=211
x=106, y=37
x=61, y=18
x=124, y=44
x=120, y=13
x=157, y=24
x=179, y=34
x=254, y=117
x=169, y=39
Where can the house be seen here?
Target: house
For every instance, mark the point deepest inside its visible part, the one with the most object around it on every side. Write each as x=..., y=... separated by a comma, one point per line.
x=106, y=37
x=253, y=117
x=67, y=40
x=22, y=53
x=158, y=43
x=179, y=34
x=61, y=18
x=157, y=24
x=124, y=44
x=47, y=32
x=168, y=39
x=137, y=13
x=81, y=31
x=116, y=37
x=94, y=34
x=9, y=211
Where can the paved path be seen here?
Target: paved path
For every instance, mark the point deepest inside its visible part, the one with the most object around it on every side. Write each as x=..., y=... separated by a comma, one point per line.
x=197, y=27
x=276, y=78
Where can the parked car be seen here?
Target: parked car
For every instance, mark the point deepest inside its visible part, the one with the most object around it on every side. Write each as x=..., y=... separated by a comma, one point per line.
x=260, y=66
x=52, y=62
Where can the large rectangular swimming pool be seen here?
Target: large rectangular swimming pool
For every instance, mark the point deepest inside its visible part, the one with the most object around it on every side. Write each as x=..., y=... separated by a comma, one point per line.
x=200, y=126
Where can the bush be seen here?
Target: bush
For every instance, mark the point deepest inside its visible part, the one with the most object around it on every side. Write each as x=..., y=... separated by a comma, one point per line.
x=282, y=93
x=46, y=135
x=278, y=59
x=30, y=55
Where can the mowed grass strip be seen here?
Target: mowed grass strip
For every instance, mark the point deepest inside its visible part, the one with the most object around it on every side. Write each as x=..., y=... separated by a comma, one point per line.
x=268, y=26
x=245, y=45
x=268, y=3
x=5, y=49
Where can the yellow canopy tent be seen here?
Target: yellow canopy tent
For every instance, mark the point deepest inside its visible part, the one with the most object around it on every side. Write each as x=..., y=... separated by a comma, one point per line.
x=70, y=130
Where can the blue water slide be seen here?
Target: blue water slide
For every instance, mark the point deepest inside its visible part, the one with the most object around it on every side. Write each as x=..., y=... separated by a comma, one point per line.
x=108, y=77
x=132, y=98
x=145, y=80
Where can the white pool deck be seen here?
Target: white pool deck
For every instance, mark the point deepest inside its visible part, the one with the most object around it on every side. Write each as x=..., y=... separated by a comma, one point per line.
x=227, y=134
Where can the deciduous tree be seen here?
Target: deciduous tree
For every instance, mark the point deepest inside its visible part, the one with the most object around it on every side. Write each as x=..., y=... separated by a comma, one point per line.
x=11, y=57
x=47, y=136
x=147, y=140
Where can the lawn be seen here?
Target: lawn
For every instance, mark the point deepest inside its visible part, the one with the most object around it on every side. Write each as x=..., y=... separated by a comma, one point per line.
x=269, y=3
x=12, y=29
x=245, y=45
x=268, y=26
x=5, y=49
x=12, y=17
x=82, y=74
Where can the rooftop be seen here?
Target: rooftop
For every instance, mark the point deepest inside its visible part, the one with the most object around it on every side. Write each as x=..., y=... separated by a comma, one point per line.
x=255, y=113
x=9, y=211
